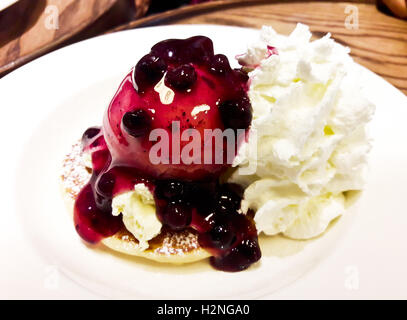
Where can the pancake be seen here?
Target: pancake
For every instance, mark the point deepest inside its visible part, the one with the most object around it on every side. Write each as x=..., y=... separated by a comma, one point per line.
x=168, y=247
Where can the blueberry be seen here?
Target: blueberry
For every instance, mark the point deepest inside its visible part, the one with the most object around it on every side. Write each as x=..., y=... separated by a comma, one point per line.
x=137, y=123
x=149, y=70
x=90, y=133
x=219, y=64
x=181, y=78
x=236, y=114
x=227, y=201
x=199, y=49
x=196, y=49
x=167, y=49
x=238, y=258
x=169, y=189
x=249, y=248
x=105, y=184
x=177, y=216
x=221, y=237
x=242, y=76
x=202, y=197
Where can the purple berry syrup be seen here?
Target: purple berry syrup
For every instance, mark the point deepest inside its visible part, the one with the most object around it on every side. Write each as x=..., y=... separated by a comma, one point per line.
x=186, y=195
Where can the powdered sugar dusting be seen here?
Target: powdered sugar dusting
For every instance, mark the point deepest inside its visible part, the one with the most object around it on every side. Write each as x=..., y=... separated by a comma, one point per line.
x=74, y=175
x=178, y=243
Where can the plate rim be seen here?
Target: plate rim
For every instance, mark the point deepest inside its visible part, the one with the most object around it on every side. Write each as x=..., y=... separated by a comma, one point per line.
x=159, y=27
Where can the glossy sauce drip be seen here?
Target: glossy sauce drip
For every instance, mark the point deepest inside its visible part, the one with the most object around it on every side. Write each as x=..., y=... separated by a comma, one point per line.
x=187, y=196
x=213, y=211
x=93, y=207
x=206, y=94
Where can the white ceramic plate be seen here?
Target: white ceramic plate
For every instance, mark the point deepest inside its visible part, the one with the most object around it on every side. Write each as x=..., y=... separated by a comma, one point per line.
x=45, y=107
x=6, y=3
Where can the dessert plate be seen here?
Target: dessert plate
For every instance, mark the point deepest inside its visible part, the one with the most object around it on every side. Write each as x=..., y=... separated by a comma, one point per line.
x=6, y=3
x=47, y=104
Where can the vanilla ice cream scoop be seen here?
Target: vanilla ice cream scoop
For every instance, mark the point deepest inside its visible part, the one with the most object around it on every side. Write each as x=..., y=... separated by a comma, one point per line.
x=139, y=213
x=309, y=120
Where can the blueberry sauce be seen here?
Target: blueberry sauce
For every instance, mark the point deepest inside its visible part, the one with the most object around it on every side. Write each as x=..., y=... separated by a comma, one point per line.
x=92, y=212
x=149, y=70
x=236, y=113
x=186, y=195
x=137, y=123
x=181, y=78
x=213, y=211
x=197, y=77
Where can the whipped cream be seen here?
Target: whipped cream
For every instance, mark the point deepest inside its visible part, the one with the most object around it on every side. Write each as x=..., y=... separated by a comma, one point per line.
x=310, y=117
x=139, y=214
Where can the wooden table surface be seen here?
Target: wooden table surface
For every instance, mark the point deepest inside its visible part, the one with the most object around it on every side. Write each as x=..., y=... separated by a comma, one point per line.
x=28, y=29
x=379, y=43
